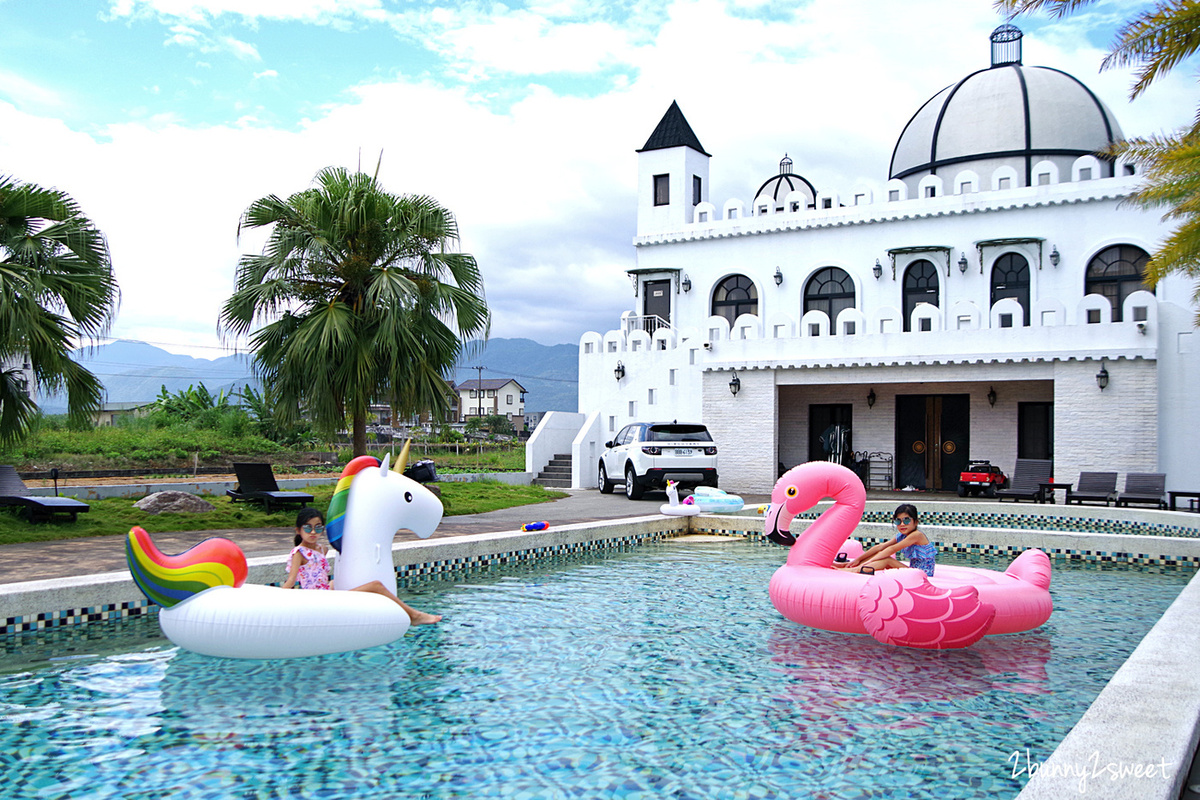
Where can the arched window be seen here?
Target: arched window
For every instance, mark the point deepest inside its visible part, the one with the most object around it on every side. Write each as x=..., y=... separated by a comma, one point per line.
x=735, y=296
x=920, y=286
x=830, y=290
x=1010, y=278
x=1115, y=273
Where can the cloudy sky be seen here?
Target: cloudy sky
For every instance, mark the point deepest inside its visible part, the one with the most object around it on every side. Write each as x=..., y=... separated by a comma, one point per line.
x=165, y=119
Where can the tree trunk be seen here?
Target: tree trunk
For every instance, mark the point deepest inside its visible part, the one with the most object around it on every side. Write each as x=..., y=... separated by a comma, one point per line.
x=358, y=433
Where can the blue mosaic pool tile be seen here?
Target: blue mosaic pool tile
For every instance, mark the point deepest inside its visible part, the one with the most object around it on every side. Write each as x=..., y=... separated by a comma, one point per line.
x=1021, y=521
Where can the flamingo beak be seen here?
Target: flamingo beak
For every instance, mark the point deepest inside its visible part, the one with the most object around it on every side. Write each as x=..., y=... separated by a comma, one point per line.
x=771, y=525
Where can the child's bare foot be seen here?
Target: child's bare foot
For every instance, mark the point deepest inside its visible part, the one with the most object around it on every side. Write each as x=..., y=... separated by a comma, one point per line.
x=421, y=618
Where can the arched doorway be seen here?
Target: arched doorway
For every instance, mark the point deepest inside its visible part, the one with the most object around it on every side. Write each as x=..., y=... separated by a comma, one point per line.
x=1010, y=278
x=1116, y=272
x=920, y=286
x=733, y=297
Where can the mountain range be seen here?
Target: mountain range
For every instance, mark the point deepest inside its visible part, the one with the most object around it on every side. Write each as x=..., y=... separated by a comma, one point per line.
x=135, y=372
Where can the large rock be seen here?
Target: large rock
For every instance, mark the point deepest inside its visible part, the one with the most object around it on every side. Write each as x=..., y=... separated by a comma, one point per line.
x=177, y=502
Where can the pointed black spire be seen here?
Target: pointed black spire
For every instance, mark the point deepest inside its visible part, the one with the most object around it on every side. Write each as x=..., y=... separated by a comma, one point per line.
x=673, y=131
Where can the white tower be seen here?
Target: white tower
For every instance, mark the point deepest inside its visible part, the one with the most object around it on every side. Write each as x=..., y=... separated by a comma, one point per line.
x=672, y=175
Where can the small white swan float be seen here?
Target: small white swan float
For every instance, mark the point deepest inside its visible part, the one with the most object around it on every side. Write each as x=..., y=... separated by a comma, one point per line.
x=207, y=609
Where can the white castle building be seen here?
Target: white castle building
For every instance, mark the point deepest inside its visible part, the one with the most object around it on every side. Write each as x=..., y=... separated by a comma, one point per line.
x=986, y=302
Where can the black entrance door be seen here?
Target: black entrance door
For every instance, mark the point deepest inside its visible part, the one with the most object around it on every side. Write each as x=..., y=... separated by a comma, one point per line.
x=829, y=433
x=658, y=304
x=1035, y=430
x=933, y=437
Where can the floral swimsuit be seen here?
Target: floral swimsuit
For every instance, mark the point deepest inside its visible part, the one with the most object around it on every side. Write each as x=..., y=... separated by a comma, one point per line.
x=314, y=572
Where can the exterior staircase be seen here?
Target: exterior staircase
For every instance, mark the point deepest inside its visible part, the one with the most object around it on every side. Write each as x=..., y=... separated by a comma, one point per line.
x=557, y=473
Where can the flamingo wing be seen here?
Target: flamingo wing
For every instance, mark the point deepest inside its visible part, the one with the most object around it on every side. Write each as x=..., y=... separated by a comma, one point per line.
x=902, y=607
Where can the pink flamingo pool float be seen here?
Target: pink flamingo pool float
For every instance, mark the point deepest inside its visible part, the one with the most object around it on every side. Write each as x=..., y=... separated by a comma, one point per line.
x=954, y=608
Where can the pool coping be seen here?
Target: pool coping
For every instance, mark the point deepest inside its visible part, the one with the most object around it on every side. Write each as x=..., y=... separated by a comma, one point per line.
x=1147, y=715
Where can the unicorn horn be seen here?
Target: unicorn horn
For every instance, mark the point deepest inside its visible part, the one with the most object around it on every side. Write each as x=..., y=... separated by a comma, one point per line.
x=402, y=462
x=383, y=467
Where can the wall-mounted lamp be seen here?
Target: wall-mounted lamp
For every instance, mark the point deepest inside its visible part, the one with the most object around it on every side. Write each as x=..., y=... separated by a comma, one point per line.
x=962, y=263
x=735, y=384
x=1102, y=377
x=1054, y=256
x=991, y=396
x=871, y=398
x=619, y=371
x=687, y=283
x=877, y=270
x=778, y=277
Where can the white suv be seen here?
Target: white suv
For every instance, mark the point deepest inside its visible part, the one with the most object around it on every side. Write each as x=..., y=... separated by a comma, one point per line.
x=648, y=454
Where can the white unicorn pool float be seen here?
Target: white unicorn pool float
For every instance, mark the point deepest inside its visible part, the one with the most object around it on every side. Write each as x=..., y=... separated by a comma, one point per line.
x=703, y=500
x=208, y=608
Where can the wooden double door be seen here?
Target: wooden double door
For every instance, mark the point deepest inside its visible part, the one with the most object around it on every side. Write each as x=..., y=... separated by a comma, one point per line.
x=933, y=439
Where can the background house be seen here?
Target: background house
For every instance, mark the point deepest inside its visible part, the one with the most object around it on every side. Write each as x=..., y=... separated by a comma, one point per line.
x=502, y=396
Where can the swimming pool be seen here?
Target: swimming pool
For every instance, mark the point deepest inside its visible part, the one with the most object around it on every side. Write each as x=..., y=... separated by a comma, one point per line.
x=661, y=671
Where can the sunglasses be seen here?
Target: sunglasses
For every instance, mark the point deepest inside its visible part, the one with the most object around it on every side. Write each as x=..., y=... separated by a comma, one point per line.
x=903, y=521
x=313, y=528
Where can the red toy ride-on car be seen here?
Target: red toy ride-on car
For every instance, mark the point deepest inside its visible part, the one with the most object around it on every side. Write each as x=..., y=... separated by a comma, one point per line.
x=981, y=476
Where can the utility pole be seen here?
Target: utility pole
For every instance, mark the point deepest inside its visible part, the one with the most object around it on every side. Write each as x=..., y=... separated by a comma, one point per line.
x=479, y=395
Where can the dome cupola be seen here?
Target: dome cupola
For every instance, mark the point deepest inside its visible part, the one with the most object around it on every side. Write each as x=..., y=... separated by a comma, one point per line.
x=1006, y=115
x=776, y=190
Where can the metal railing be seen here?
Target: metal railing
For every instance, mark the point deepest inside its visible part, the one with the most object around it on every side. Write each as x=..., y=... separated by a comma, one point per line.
x=649, y=323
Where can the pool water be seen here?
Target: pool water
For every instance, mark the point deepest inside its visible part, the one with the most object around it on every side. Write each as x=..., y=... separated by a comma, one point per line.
x=663, y=671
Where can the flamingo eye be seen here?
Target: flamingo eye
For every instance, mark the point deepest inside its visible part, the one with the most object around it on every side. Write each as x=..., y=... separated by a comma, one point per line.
x=791, y=491
x=408, y=497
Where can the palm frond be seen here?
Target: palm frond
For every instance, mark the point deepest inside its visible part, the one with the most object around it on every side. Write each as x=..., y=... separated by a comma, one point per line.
x=1158, y=40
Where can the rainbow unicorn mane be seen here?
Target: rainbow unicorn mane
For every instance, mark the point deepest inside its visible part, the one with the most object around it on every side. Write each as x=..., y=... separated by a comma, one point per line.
x=168, y=580
x=335, y=522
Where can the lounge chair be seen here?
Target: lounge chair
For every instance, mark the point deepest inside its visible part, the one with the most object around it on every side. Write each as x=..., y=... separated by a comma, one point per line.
x=14, y=492
x=256, y=483
x=1144, y=487
x=1093, y=487
x=1026, y=480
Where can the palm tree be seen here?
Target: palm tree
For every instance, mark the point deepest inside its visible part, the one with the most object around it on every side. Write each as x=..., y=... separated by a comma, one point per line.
x=1155, y=41
x=359, y=296
x=56, y=290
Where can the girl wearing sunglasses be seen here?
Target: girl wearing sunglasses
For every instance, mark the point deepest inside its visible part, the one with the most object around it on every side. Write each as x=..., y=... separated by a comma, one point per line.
x=310, y=568
x=909, y=543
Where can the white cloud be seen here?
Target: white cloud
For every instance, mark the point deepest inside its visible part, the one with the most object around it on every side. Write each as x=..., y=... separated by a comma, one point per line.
x=266, y=73
x=29, y=94
x=317, y=11
x=520, y=42
x=545, y=189
x=243, y=50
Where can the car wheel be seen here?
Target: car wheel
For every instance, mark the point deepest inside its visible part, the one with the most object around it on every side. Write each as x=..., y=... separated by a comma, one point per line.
x=633, y=489
x=602, y=480
x=962, y=490
x=990, y=490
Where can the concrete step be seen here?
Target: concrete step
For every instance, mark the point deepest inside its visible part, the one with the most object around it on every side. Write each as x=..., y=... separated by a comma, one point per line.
x=553, y=483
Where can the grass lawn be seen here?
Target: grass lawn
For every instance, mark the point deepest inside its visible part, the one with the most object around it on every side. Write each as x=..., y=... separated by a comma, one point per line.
x=114, y=517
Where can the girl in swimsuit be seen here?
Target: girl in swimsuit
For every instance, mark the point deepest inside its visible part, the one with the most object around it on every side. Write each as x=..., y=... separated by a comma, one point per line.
x=910, y=542
x=310, y=568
